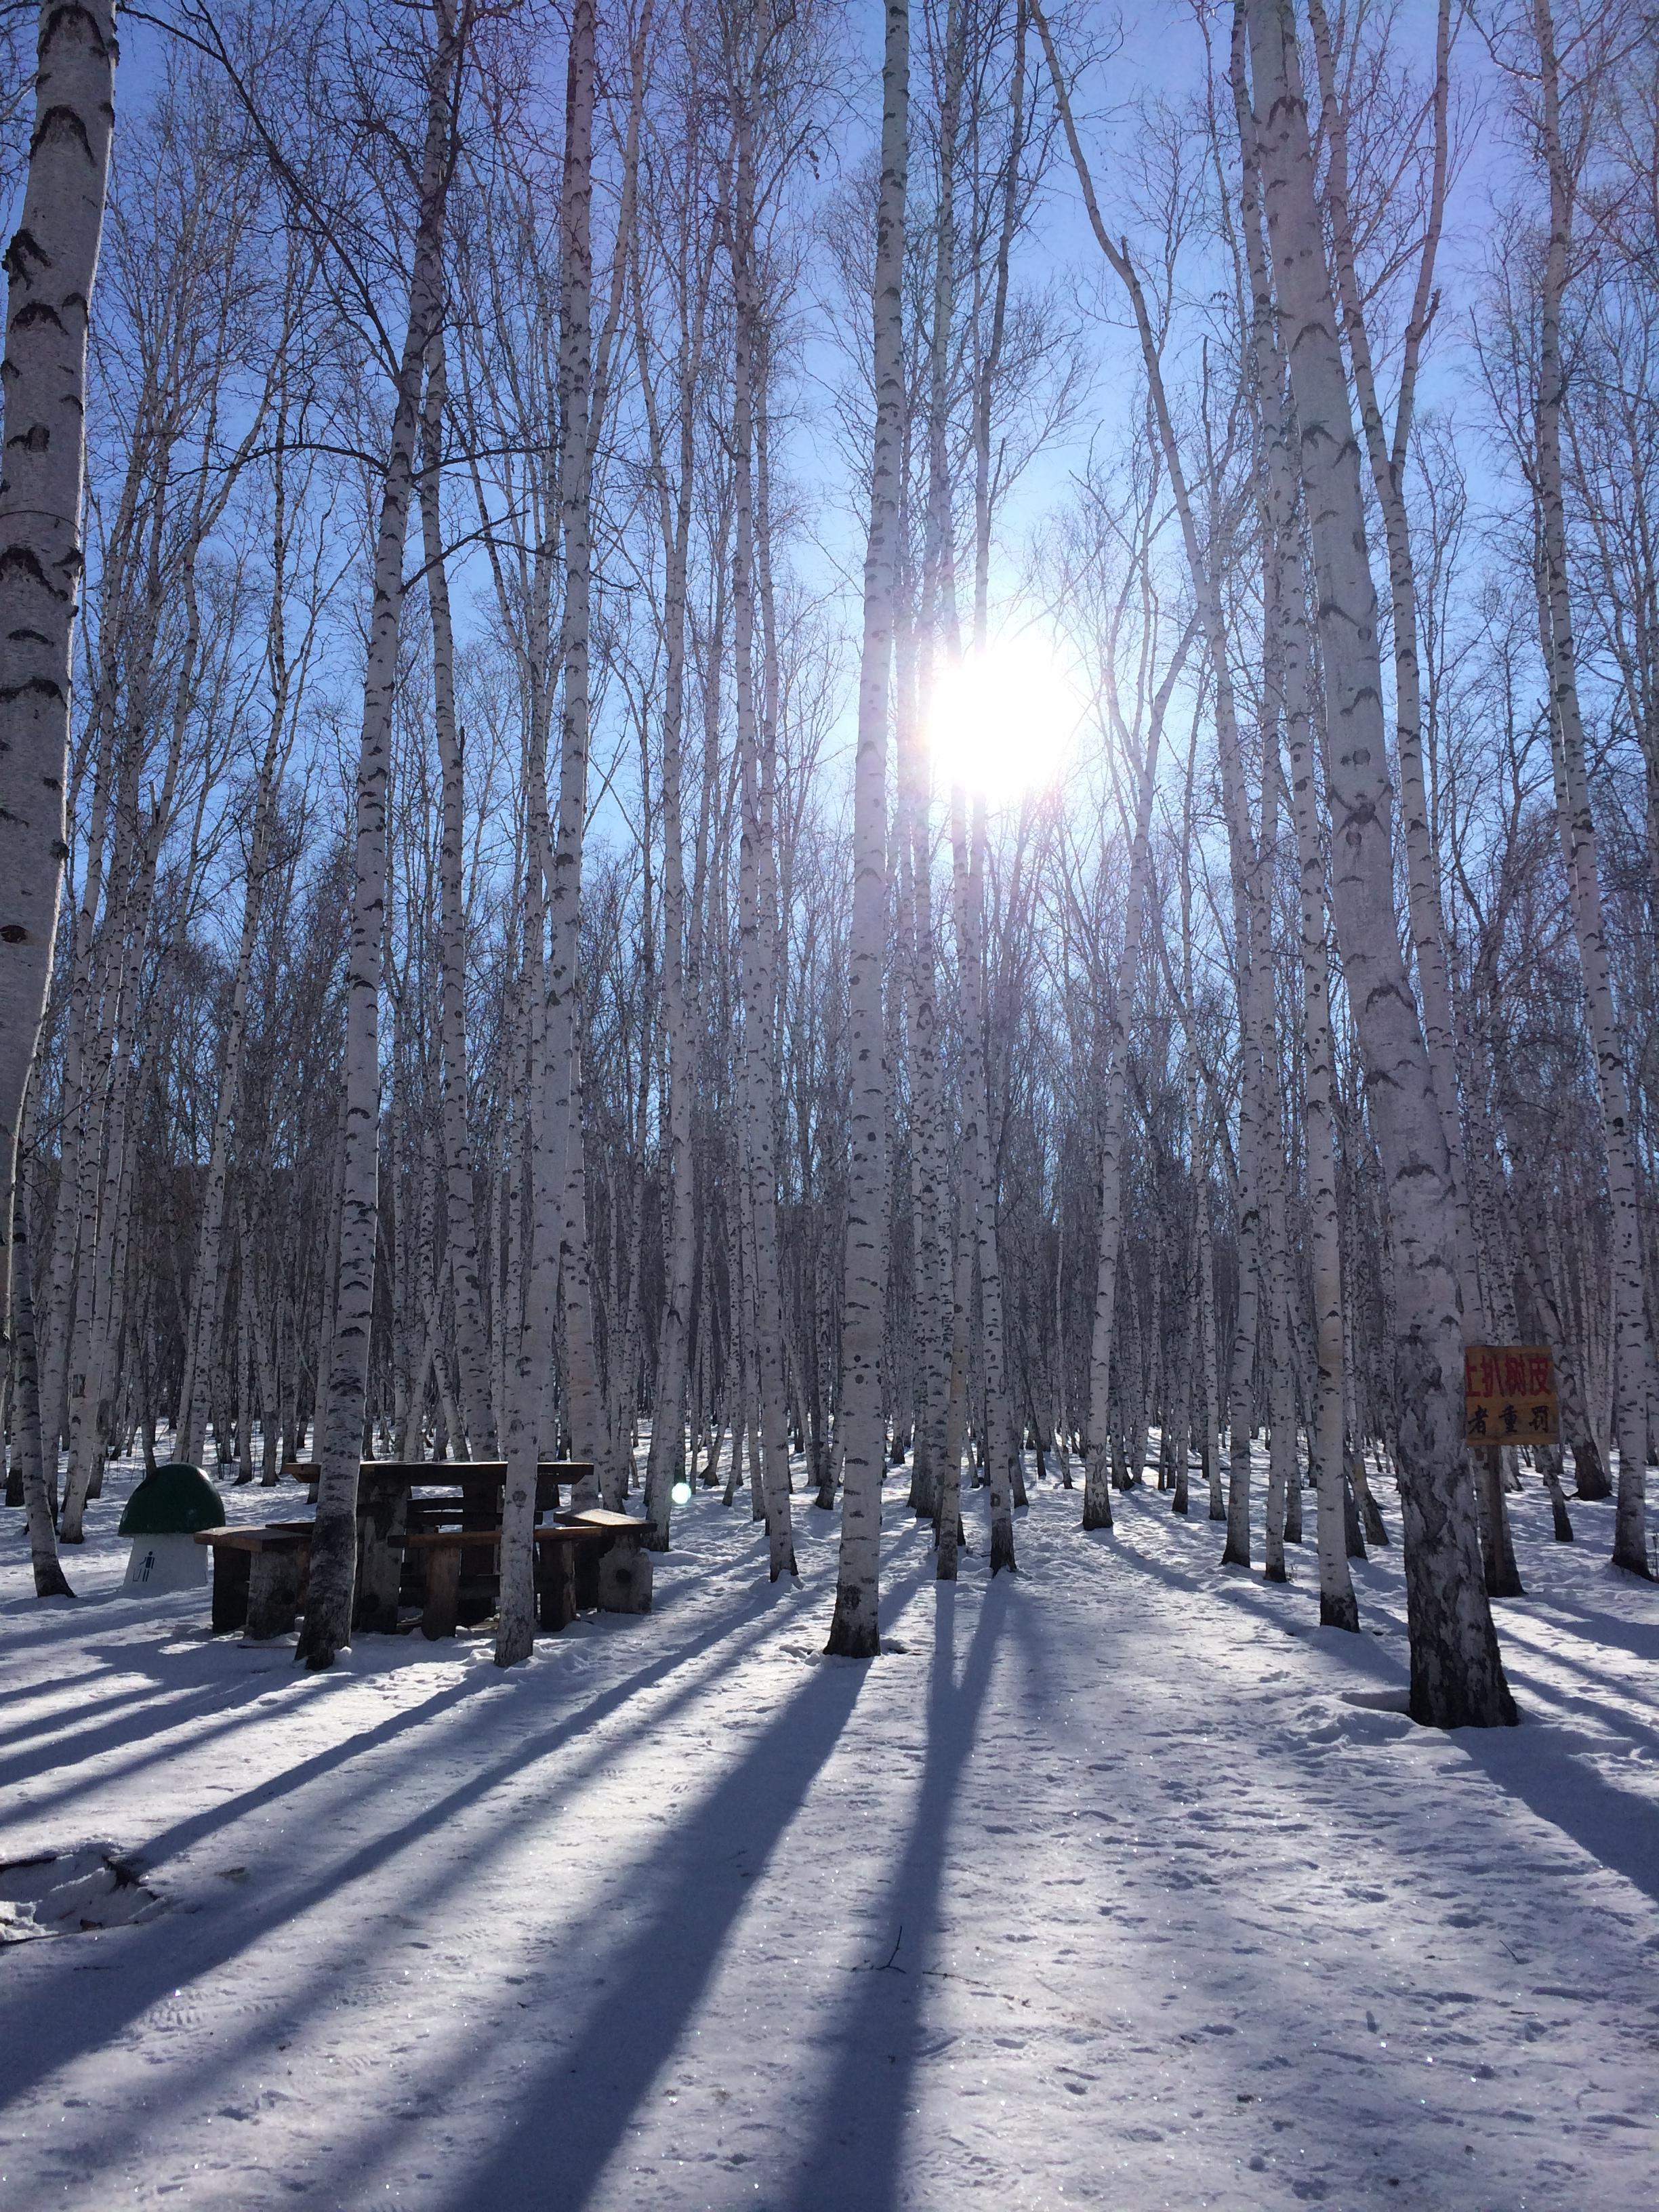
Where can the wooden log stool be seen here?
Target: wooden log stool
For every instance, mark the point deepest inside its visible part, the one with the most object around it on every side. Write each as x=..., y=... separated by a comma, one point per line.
x=259, y=1576
x=621, y=1570
x=443, y=1551
x=382, y=1515
x=559, y=1546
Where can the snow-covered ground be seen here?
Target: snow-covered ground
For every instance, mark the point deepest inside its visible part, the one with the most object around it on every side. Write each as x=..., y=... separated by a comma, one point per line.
x=1119, y=1883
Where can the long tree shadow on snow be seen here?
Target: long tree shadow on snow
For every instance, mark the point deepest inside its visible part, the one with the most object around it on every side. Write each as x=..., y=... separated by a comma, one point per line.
x=47, y=2036
x=1530, y=1763
x=1274, y=1605
x=194, y=1677
x=1596, y=1625
x=853, y=2159
x=71, y=1722
x=41, y=2034
x=1617, y=1828
x=691, y=1894
x=139, y=1725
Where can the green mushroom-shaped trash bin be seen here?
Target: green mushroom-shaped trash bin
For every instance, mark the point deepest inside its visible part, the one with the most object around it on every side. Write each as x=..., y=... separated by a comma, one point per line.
x=162, y=1517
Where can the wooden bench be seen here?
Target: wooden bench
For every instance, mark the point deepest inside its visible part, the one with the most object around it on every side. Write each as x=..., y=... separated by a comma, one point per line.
x=445, y=1551
x=587, y=1561
x=258, y=1576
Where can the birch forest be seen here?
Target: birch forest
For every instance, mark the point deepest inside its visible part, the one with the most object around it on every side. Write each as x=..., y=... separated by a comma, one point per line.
x=889, y=773
x=755, y=791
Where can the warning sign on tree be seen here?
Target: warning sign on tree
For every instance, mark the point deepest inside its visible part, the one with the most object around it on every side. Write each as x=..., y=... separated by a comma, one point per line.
x=1509, y=1395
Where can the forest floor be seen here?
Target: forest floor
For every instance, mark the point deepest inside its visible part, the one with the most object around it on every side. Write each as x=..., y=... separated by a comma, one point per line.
x=1117, y=1883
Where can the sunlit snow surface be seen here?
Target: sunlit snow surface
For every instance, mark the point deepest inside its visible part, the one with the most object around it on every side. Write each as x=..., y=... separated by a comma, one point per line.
x=1116, y=1884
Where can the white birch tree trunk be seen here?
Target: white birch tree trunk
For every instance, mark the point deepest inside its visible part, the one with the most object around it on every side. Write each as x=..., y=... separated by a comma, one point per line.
x=978, y=1186
x=525, y=1325
x=1247, y=930
x=1284, y=688
x=929, y=1191
x=1096, y=1480
x=106, y=1196
x=327, y=1625
x=51, y=266
x=760, y=927
x=1387, y=460
x=558, y=1104
x=1338, y=1606
x=1283, y=1517
x=206, y=1292
x=471, y=1348
x=50, y=1580
x=1457, y=1676
x=585, y=1410
x=769, y=1442
x=77, y=1092
x=674, y=517
x=1631, y=1341
x=948, y=1511
x=853, y=1631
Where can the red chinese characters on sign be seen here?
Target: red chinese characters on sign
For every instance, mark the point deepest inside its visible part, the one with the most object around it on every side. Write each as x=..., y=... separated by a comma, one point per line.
x=1509, y=1395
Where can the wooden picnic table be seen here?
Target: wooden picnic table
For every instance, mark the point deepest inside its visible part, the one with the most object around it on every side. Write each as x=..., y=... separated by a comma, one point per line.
x=387, y=1513
x=587, y=1561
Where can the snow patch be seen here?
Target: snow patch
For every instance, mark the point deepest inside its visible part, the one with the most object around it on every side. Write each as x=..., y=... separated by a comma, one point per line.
x=80, y=1891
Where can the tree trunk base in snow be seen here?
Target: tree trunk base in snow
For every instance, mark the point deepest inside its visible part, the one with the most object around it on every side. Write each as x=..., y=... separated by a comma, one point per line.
x=1559, y=1509
x=1454, y=1714
x=1590, y=1480
x=1339, y=1612
x=1503, y=1577
x=1352, y=1536
x=1633, y=1560
x=854, y=1633
x=316, y=1650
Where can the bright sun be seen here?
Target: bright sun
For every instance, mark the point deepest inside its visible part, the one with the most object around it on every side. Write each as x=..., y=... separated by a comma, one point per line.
x=1002, y=722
